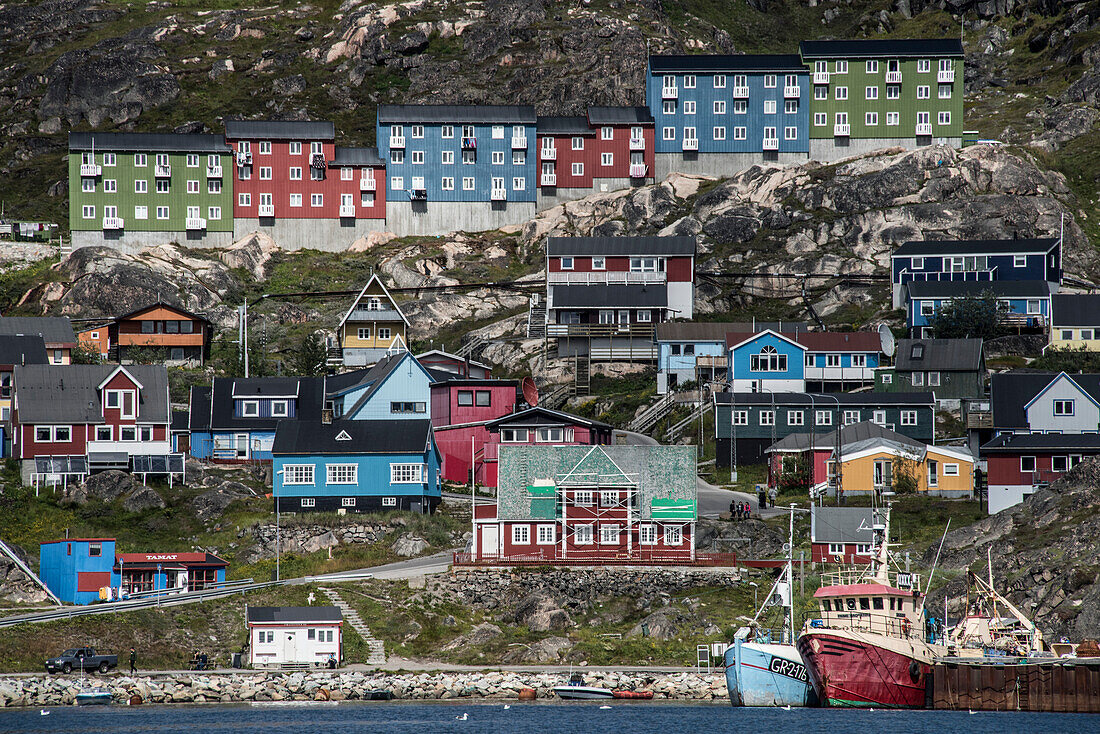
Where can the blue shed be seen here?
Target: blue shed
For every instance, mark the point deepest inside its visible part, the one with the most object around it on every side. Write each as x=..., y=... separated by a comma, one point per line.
x=356, y=466
x=75, y=569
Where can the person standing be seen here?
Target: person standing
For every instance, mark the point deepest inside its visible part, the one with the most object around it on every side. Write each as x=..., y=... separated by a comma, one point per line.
x=133, y=661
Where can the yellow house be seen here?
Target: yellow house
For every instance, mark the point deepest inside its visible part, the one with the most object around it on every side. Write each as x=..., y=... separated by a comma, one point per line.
x=371, y=327
x=885, y=465
x=1075, y=321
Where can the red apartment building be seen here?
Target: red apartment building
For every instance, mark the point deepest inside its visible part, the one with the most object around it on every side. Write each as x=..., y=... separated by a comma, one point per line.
x=609, y=143
x=289, y=170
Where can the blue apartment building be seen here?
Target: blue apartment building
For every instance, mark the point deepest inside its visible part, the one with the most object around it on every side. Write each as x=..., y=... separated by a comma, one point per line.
x=721, y=114
x=458, y=167
x=1027, y=302
x=975, y=261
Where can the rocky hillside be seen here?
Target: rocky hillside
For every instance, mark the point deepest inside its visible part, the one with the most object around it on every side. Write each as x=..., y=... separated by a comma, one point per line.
x=1044, y=555
x=1033, y=66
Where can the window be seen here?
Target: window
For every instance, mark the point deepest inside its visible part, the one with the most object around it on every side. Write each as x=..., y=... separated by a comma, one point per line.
x=309, y=502
x=104, y=433
x=546, y=535
x=162, y=212
x=468, y=183
x=832, y=360
x=719, y=81
x=821, y=119
x=870, y=119
x=842, y=92
x=917, y=379
x=674, y=535
x=1063, y=407
x=927, y=308
x=768, y=360
x=250, y=408
x=295, y=200
x=406, y=473
x=823, y=418
x=417, y=157
x=1087, y=334
x=739, y=133
x=88, y=211
x=878, y=417
x=567, y=263
x=265, y=173
x=383, y=333
x=43, y=434
x=163, y=186
x=933, y=473
x=397, y=157
x=922, y=92
x=582, y=535
x=689, y=107
x=244, y=199
x=719, y=133
x=609, y=535
x=110, y=186
x=871, y=92
x=1059, y=463
x=944, y=118
x=192, y=187
x=951, y=470
x=796, y=417
x=769, y=107
x=519, y=183
x=720, y=107
x=923, y=66
x=893, y=91
x=316, y=200
x=141, y=160
x=740, y=417
x=1067, y=334
x=127, y=433
x=408, y=406
x=447, y=183
x=599, y=263
x=668, y=133
x=821, y=93
x=298, y=474
x=465, y=397
x=498, y=157
x=769, y=81
x=109, y=159
x=647, y=534
x=214, y=186
x=933, y=379
x=790, y=133
x=909, y=417
x=609, y=498
x=498, y=132
x=448, y=131
x=87, y=185
x=607, y=159
x=740, y=107
x=1027, y=464
x=341, y=473
x=767, y=417
x=1033, y=306
x=279, y=408
x=859, y=360
x=295, y=173
x=790, y=107
x=945, y=91
x=850, y=417
x=483, y=398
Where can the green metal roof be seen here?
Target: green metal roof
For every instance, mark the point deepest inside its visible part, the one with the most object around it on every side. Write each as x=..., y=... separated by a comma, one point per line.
x=673, y=509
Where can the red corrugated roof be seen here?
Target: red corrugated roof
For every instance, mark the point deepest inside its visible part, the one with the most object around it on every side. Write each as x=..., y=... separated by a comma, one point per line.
x=137, y=558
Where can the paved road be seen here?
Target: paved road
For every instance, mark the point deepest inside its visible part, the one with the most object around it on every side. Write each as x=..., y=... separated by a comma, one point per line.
x=438, y=563
x=712, y=500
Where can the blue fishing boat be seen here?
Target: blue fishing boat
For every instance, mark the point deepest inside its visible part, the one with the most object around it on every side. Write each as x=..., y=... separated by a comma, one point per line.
x=762, y=671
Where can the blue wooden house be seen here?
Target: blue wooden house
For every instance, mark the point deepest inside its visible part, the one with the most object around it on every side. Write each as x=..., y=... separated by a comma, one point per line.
x=1027, y=301
x=975, y=261
x=797, y=361
x=356, y=466
x=234, y=419
x=718, y=114
x=397, y=388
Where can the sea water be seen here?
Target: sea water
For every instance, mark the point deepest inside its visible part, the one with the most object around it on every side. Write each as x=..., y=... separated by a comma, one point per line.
x=626, y=717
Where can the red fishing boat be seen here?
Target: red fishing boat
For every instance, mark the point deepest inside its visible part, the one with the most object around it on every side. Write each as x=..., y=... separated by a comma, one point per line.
x=870, y=647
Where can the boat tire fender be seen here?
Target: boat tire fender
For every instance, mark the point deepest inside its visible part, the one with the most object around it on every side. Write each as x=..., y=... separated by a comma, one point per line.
x=914, y=671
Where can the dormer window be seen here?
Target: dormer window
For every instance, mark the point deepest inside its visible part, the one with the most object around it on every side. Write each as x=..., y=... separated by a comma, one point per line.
x=279, y=409
x=917, y=352
x=374, y=303
x=250, y=408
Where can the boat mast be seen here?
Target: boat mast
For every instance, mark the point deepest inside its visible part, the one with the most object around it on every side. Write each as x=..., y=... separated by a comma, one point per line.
x=881, y=534
x=790, y=580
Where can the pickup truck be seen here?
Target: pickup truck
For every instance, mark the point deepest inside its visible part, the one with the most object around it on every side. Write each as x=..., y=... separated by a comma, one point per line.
x=81, y=658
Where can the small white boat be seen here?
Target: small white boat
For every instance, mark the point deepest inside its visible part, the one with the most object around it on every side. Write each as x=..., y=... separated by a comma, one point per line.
x=576, y=690
x=93, y=697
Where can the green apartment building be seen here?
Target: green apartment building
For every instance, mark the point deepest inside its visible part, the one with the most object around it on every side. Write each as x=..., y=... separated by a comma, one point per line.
x=868, y=95
x=132, y=190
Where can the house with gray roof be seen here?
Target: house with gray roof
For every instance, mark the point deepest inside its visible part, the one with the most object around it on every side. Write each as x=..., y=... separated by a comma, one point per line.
x=953, y=369
x=590, y=505
x=79, y=419
x=56, y=333
x=841, y=534
x=1075, y=321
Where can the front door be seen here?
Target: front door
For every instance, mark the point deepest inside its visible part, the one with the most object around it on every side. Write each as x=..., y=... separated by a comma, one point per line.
x=624, y=320
x=490, y=540
x=241, y=445
x=290, y=647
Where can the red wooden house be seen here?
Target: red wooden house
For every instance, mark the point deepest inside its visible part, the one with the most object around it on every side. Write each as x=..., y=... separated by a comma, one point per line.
x=841, y=535
x=1019, y=464
x=69, y=421
x=461, y=411
x=611, y=145
x=180, y=336
x=590, y=505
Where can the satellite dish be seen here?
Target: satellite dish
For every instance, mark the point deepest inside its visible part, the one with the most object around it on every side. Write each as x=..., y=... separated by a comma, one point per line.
x=530, y=391
x=886, y=339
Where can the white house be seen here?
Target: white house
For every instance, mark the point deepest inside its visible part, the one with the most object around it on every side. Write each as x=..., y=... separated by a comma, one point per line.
x=294, y=637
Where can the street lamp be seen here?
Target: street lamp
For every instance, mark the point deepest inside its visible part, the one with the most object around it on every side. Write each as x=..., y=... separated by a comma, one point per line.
x=755, y=600
x=837, y=459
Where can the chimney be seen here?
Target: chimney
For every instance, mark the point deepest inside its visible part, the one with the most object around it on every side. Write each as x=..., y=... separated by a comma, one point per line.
x=326, y=416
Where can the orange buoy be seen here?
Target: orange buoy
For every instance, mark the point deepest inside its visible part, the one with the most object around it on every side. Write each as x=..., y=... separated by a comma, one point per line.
x=633, y=694
x=135, y=700
x=527, y=694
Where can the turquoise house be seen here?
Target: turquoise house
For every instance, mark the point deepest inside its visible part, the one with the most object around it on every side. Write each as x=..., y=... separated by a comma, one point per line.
x=356, y=466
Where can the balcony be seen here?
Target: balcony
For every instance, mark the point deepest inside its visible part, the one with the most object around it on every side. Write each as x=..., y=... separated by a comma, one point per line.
x=90, y=169
x=113, y=222
x=244, y=158
x=317, y=160
x=368, y=184
x=839, y=374
x=792, y=92
x=549, y=179
x=418, y=194
x=163, y=171
x=381, y=314
x=638, y=170
x=670, y=93
x=498, y=195
x=469, y=143
x=606, y=277
x=643, y=331
x=979, y=419
x=924, y=128
x=946, y=76
x=519, y=142
x=213, y=171
x=194, y=223
x=347, y=210
x=548, y=154
x=842, y=130
x=740, y=92
x=893, y=77
x=637, y=143
x=821, y=77
x=771, y=143
x=267, y=210
x=691, y=143
x=397, y=141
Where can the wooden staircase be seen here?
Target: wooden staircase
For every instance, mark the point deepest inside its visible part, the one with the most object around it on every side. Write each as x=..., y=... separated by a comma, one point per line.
x=536, y=318
x=377, y=650
x=582, y=375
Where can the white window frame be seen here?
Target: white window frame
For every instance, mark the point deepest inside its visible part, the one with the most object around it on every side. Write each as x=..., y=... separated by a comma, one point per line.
x=610, y=533
x=647, y=534
x=297, y=475
x=796, y=417
x=341, y=474
x=407, y=473
x=908, y=418
x=545, y=535
x=583, y=534
x=674, y=535
x=521, y=534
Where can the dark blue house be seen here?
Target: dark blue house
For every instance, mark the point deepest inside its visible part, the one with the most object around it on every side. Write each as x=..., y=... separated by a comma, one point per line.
x=720, y=114
x=457, y=167
x=1027, y=301
x=356, y=466
x=975, y=261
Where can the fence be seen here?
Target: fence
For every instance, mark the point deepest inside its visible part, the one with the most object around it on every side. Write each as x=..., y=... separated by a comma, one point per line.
x=701, y=559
